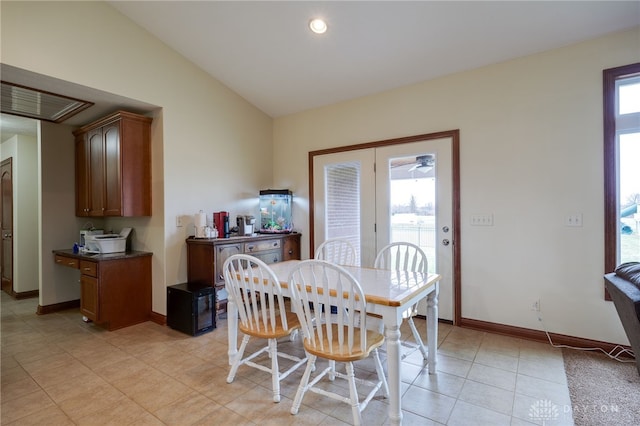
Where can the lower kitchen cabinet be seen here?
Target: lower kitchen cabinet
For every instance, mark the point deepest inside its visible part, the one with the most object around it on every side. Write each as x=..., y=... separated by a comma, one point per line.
x=205, y=257
x=115, y=289
x=89, y=291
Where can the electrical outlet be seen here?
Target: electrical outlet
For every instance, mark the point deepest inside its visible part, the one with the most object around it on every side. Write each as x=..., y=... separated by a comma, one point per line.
x=535, y=306
x=574, y=220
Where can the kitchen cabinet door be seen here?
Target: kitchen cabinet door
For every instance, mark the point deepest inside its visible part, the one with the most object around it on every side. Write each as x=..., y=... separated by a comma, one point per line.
x=89, y=293
x=96, y=173
x=83, y=180
x=113, y=166
x=112, y=174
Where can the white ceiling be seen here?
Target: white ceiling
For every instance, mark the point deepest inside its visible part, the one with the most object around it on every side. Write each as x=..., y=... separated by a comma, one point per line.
x=264, y=51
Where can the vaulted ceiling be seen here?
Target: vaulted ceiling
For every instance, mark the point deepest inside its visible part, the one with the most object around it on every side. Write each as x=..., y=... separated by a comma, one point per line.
x=264, y=51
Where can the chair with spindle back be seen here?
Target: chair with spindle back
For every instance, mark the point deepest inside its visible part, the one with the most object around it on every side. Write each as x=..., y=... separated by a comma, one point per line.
x=403, y=256
x=340, y=337
x=262, y=314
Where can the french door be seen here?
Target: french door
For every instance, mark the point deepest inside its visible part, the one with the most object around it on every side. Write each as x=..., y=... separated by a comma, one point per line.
x=399, y=192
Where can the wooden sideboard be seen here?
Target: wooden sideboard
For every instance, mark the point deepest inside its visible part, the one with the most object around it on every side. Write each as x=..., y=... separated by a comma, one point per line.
x=205, y=257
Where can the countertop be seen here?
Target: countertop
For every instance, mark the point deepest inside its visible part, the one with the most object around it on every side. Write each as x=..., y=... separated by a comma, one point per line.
x=235, y=238
x=100, y=257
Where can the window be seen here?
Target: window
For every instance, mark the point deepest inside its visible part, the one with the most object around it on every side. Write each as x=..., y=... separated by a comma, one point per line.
x=621, y=171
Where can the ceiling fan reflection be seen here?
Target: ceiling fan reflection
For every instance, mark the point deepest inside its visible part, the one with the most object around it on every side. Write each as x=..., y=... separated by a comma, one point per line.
x=424, y=163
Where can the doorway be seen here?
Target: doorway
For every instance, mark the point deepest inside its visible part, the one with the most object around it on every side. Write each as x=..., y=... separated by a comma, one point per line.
x=397, y=190
x=6, y=214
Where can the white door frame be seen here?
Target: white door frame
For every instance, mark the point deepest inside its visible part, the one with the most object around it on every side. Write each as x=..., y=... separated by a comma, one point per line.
x=454, y=135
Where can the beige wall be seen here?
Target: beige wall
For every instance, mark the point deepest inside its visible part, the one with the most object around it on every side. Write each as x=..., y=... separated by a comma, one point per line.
x=211, y=149
x=57, y=218
x=531, y=154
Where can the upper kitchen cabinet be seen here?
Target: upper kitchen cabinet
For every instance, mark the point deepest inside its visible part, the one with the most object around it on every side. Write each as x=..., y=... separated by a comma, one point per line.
x=113, y=166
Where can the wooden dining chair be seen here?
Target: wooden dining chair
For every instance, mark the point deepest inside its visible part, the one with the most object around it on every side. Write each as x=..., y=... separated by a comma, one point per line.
x=338, y=251
x=404, y=256
x=335, y=337
x=262, y=312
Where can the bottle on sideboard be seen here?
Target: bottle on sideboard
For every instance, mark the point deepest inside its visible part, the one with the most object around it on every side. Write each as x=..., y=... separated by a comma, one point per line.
x=227, y=234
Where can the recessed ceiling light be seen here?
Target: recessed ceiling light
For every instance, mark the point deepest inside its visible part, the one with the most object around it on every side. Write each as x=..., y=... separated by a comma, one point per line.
x=318, y=26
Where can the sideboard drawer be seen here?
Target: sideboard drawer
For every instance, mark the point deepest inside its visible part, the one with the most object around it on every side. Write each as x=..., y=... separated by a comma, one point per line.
x=258, y=246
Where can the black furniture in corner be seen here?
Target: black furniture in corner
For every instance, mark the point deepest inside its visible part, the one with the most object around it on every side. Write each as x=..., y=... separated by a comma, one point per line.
x=191, y=308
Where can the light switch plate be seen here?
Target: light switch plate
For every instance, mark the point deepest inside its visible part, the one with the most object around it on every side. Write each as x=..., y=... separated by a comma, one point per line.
x=482, y=220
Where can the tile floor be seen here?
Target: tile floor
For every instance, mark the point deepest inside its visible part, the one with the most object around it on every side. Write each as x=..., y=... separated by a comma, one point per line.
x=57, y=370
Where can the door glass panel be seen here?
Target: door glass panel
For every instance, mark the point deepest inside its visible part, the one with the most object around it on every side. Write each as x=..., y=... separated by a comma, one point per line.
x=342, y=203
x=629, y=227
x=412, y=186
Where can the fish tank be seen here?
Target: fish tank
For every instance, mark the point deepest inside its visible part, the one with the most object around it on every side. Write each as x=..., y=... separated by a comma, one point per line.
x=275, y=211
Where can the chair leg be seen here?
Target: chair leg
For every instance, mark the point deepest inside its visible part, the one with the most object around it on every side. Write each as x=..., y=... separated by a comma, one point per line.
x=353, y=395
x=304, y=383
x=380, y=372
x=275, y=372
x=332, y=372
x=238, y=360
x=418, y=339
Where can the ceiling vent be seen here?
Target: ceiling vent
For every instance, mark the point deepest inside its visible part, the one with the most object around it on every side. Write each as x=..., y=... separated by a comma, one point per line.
x=38, y=104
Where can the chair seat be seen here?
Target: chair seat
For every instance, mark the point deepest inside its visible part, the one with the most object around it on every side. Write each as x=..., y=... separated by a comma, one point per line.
x=341, y=354
x=276, y=333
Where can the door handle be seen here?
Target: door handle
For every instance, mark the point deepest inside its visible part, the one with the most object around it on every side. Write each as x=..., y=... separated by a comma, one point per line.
x=445, y=242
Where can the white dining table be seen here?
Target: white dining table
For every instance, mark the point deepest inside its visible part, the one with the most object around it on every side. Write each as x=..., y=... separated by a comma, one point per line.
x=388, y=294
